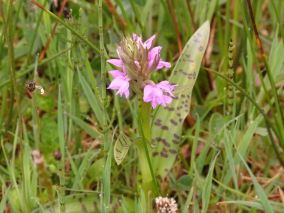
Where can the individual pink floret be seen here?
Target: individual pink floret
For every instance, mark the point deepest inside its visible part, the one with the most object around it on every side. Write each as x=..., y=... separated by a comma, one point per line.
x=147, y=44
x=163, y=64
x=159, y=94
x=120, y=83
x=116, y=62
x=154, y=54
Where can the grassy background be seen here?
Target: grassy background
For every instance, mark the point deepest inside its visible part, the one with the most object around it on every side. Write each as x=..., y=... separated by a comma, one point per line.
x=226, y=161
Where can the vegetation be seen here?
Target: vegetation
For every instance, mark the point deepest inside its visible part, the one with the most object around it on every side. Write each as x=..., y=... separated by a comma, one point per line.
x=70, y=144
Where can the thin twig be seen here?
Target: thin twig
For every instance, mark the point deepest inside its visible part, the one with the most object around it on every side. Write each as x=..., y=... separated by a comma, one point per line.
x=174, y=19
x=67, y=26
x=258, y=41
x=269, y=75
x=269, y=125
x=191, y=15
x=46, y=46
x=208, y=53
x=113, y=11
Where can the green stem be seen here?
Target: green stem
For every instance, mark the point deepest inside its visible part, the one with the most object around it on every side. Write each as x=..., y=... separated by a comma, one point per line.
x=67, y=26
x=269, y=126
x=144, y=156
x=9, y=37
x=279, y=115
x=30, y=68
x=35, y=117
x=107, y=146
x=34, y=36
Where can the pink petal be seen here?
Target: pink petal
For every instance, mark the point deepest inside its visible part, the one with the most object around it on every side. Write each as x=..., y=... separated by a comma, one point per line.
x=117, y=74
x=154, y=104
x=136, y=38
x=159, y=94
x=166, y=100
x=148, y=92
x=154, y=52
x=149, y=42
x=121, y=86
x=166, y=87
x=153, y=94
x=137, y=64
x=124, y=90
x=116, y=84
x=163, y=64
x=116, y=62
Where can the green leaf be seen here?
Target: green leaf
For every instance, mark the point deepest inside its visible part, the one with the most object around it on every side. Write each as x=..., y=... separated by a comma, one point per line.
x=74, y=203
x=206, y=191
x=48, y=134
x=82, y=170
x=258, y=188
x=184, y=183
x=121, y=147
x=4, y=198
x=86, y=127
x=277, y=207
x=92, y=98
x=168, y=121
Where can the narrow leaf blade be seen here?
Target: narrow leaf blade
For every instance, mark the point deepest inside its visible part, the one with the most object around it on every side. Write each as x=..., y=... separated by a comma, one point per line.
x=92, y=98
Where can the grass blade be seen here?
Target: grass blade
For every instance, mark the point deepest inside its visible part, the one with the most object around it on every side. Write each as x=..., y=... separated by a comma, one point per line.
x=92, y=99
x=259, y=190
x=206, y=192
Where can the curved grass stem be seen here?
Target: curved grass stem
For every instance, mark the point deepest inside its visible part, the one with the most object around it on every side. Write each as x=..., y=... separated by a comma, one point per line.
x=270, y=127
x=67, y=26
x=280, y=118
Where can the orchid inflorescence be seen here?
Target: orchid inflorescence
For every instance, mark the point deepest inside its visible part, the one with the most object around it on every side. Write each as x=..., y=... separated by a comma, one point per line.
x=135, y=63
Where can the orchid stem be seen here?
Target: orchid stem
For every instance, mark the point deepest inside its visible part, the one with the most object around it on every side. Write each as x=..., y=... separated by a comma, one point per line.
x=145, y=133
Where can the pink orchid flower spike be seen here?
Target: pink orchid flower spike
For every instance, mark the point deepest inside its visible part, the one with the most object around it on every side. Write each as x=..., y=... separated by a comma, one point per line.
x=136, y=61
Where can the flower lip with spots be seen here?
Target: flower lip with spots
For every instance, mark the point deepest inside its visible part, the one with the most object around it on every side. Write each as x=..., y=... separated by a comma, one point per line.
x=159, y=94
x=135, y=63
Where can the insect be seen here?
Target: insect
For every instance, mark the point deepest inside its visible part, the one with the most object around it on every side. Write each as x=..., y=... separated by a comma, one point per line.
x=67, y=13
x=31, y=86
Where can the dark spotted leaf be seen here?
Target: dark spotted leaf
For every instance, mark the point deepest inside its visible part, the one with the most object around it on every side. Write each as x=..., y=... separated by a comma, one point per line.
x=167, y=125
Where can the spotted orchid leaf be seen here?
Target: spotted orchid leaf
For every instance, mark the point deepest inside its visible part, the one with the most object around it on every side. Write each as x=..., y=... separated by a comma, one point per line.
x=167, y=123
